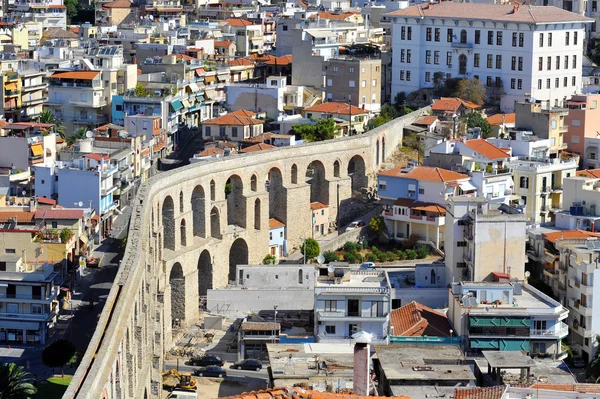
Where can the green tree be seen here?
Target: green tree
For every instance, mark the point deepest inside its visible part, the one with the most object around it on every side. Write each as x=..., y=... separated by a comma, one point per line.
x=15, y=383
x=312, y=248
x=595, y=53
x=471, y=90
x=58, y=354
x=65, y=234
x=269, y=260
x=48, y=116
x=72, y=9
x=324, y=129
x=399, y=100
x=475, y=119
x=140, y=91
x=80, y=134
x=378, y=227
x=331, y=256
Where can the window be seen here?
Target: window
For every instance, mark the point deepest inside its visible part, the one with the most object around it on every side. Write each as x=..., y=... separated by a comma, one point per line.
x=498, y=38
x=364, y=100
x=490, y=60
x=538, y=347
x=575, y=139
x=557, y=62
x=514, y=39
x=549, y=39
x=402, y=55
x=540, y=63
x=412, y=189
x=428, y=76
x=36, y=309
x=374, y=83
x=449, y=58
x=373, y=98
x=222, y=131
x=330, y=306
x=10, y=251
x=519, y=84
x=567, y=39
x=513, y=83
x=461, y=244
x=437, y=34
x=401, y=75
x=428, y=35
x=573, y=81
x=539, y=84
x=351, y=83
x=549, y=63
x=513, y=63
x=119, y=107
x=284, y=28
x=449, y=36
x=54, y=225
x=565, y=81
x=377, y=309
x=520, y=67
x=2, y=266
x=421, y=191
x=462, y=64
x=207, y=131
x=490, y=37
x=575, y=37
x=408, y=76
x=363, y=83
x=489, y=81
x=428, y=57
x=335, y=69
x=409, y=33
x=524, y=182
x=436, y=57
x=541, y=40
x=463, y=36
x=547, y=83
x=477, y=36
x=281, y=234
x=408, y=56
x=234, y=131
x=403, y=33
x=351, y=70
x=594, y=104
x=329, y=82
x=556, y=83
x=330, y=330
x=574, y=61
x=498, y=82
x=521, y=39
x=476, y=60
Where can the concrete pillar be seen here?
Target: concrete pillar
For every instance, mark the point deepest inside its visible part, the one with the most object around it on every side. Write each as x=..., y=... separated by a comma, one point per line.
x=426, y=232
x=299, y=217
x=345, y=192
x=395, y=228
x=437, y=236
x=24, y=336
x=409, y=229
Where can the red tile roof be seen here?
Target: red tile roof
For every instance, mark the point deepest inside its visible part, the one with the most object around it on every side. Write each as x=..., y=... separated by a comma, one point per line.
x=275, y=224
x=416, y=320
x=244, y=112
x=22, y=217
x=480, y=393
x=335, y=108
x=236, y=118
x=118, y=4
x=240, y=62
x=281, y=61
x=238, y=22
x=46, y=201
x=257, y=147
x=593, y=173
x=97, y=157
x=425, y=173
x=569, y=235
x=498, y=119
x=452, y=104
x=82, y=75
x=315, y=206
x=223, y=43
x=65, y=214
x=581, y=388
x=491, y=12
x=184, y=57
x=486, y=149
x=425, y=120
x=330, y=15
x=211, y=152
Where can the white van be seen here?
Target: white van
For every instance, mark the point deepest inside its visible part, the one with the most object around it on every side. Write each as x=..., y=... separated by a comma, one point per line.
x=183, y=394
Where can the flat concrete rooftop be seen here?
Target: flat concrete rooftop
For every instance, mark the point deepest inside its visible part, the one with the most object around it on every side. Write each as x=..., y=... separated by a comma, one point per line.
x=508, y=359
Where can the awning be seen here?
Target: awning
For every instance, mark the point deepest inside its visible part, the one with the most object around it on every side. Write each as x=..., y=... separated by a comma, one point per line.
x=194, y=87
x=176, y=105
x=19, y=325
x=37, y=150
x=199, y=71
x=222, y=78
x=186, y=103
x=321, y=34
x=359, y=128
x=84, y=239
x=209, y=79
x=467, y=186
x=10, y=86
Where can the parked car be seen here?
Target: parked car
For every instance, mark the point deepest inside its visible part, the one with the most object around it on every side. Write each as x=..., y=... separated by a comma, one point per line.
x=355, y=225
x=578, y=362
x=211, y=371
x=367, y=265
x=207, y=360
x=248, y=364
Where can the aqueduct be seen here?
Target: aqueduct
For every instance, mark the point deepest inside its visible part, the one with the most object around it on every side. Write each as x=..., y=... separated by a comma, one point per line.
x=191, y=226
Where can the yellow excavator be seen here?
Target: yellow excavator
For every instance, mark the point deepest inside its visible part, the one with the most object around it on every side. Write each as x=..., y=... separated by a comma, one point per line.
x=185, y=380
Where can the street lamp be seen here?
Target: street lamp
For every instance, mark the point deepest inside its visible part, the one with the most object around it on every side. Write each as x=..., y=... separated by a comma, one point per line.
x=451, y=338
x=361, y=242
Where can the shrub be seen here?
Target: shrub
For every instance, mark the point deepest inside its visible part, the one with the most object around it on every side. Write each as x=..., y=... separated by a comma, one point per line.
x=350, y=246
x=422, y=252
x=331, y=256
x=411, y=254
x=269, y=260
x=401, y=254
x=312, y=248
x=350, y=257
x=391, y=256
x=371, y=258
x=375, y=250
x=382, y=257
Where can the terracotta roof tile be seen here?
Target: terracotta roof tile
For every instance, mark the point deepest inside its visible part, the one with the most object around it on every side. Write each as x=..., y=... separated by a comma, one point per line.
x=480, y=393
x=275, y=224
x=405, y=202
x=451, y=104
x=425, y=173
x=569, y=235
x=593, y=173
x=581, y=388
x=257, y=147
x=97, y=157
x=64, y=214
x=240, y=62
x=416, y=320
x=184, y=57
x=118, y=4
x=237, y=118
x=331, y=15
x=83, y=75
x=498, y=119
x=223, y=43
x=283, y=60
x=335, y=108
x=491, y=12
x=426, y=120
x=22, y=217
x=46, y=201
x=244, y=112
x=486, y=149
x=315, y=206
x=299, y=393
x=211, y=152
x=238, y=22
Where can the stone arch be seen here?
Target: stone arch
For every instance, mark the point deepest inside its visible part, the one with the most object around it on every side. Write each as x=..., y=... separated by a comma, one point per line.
x=177, y=283
x=215, y=223
x=383, y=155
x=253, y=182
x=277, y=196
x=319, y=186
x=357, y=172
x=182, y=233
x=377, y=153
x=236, y=202
x=213, y=190
x=294, y=174
x=238, y=255
x=198, y=211
x=205, y=273
x=181, y=202
x=257, y=214
x=336, y=168
x=168, y=221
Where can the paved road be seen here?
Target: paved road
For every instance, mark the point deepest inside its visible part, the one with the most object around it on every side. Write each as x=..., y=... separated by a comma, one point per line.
x=184, y=368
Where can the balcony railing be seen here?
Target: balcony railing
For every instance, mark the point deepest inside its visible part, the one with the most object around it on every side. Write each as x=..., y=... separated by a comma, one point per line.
x=34, y=87
x=462, y=45
x=28, y=316
x=343, y=314
x=50, y=295
x=557, y=189
x=562, y=331
x=34, y=101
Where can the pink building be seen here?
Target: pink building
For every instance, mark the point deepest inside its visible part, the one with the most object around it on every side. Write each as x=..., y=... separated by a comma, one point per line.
x=320, y=219
x=583, y=121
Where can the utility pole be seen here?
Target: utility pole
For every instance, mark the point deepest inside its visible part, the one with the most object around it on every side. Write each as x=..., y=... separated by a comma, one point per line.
x=350, y=118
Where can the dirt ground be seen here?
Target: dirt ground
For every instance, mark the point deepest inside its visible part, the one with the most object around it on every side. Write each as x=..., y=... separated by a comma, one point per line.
x=400, y=158
x=212, y=388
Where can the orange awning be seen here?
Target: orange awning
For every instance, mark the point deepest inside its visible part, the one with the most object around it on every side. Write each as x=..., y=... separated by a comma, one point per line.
x=209, y=79
x=10, y=86
x=37, y=150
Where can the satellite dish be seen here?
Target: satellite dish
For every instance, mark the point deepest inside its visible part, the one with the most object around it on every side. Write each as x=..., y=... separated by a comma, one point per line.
x=331, y=269
x=89, y=134
x=24, y=193
x=521, y=202
x=320, y=259
x=10, y=120
x=150, y=17
x=527, y=274
x=80, y=203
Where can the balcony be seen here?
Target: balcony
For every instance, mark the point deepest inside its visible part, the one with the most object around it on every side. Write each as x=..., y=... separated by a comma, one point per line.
x=326, y=338
x=40, y=86
x=560, y=332
x=545, y=189
x=11, y=93
x=34, y=101
x=458, y=45
x=28, y=316
x=351, y=316
x=89, y=104
x=549, y=257
x=29, y=297
x=544, y=209
x=557, y=189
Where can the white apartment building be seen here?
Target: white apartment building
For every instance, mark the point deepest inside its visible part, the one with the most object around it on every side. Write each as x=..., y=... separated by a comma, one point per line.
x=349, y=300
x=529, y=50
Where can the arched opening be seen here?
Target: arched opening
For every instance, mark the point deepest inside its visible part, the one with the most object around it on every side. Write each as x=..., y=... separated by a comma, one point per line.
x=377, y=153
x=462, y=64
x=277, y=196
x=257, y=214
x=357, y=173
x=199, y=212
x=181, y=201
x=182, y=233
x=212, y=190
x=383, y=153
x=215, y=223
x=336, y=169
x=205, y=273
x=319, y=186
x=236, y=202
x=238, y=255
x=294, y=174
x=253, y=183
x=177, y=283
x=463, y=36
x=168, y=221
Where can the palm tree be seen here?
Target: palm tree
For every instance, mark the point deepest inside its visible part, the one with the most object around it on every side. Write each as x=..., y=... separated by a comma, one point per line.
x=79, y=134
x=48, y=116
x=15, y=383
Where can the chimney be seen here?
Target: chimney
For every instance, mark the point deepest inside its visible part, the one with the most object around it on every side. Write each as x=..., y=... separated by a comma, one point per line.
x=362, y=359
